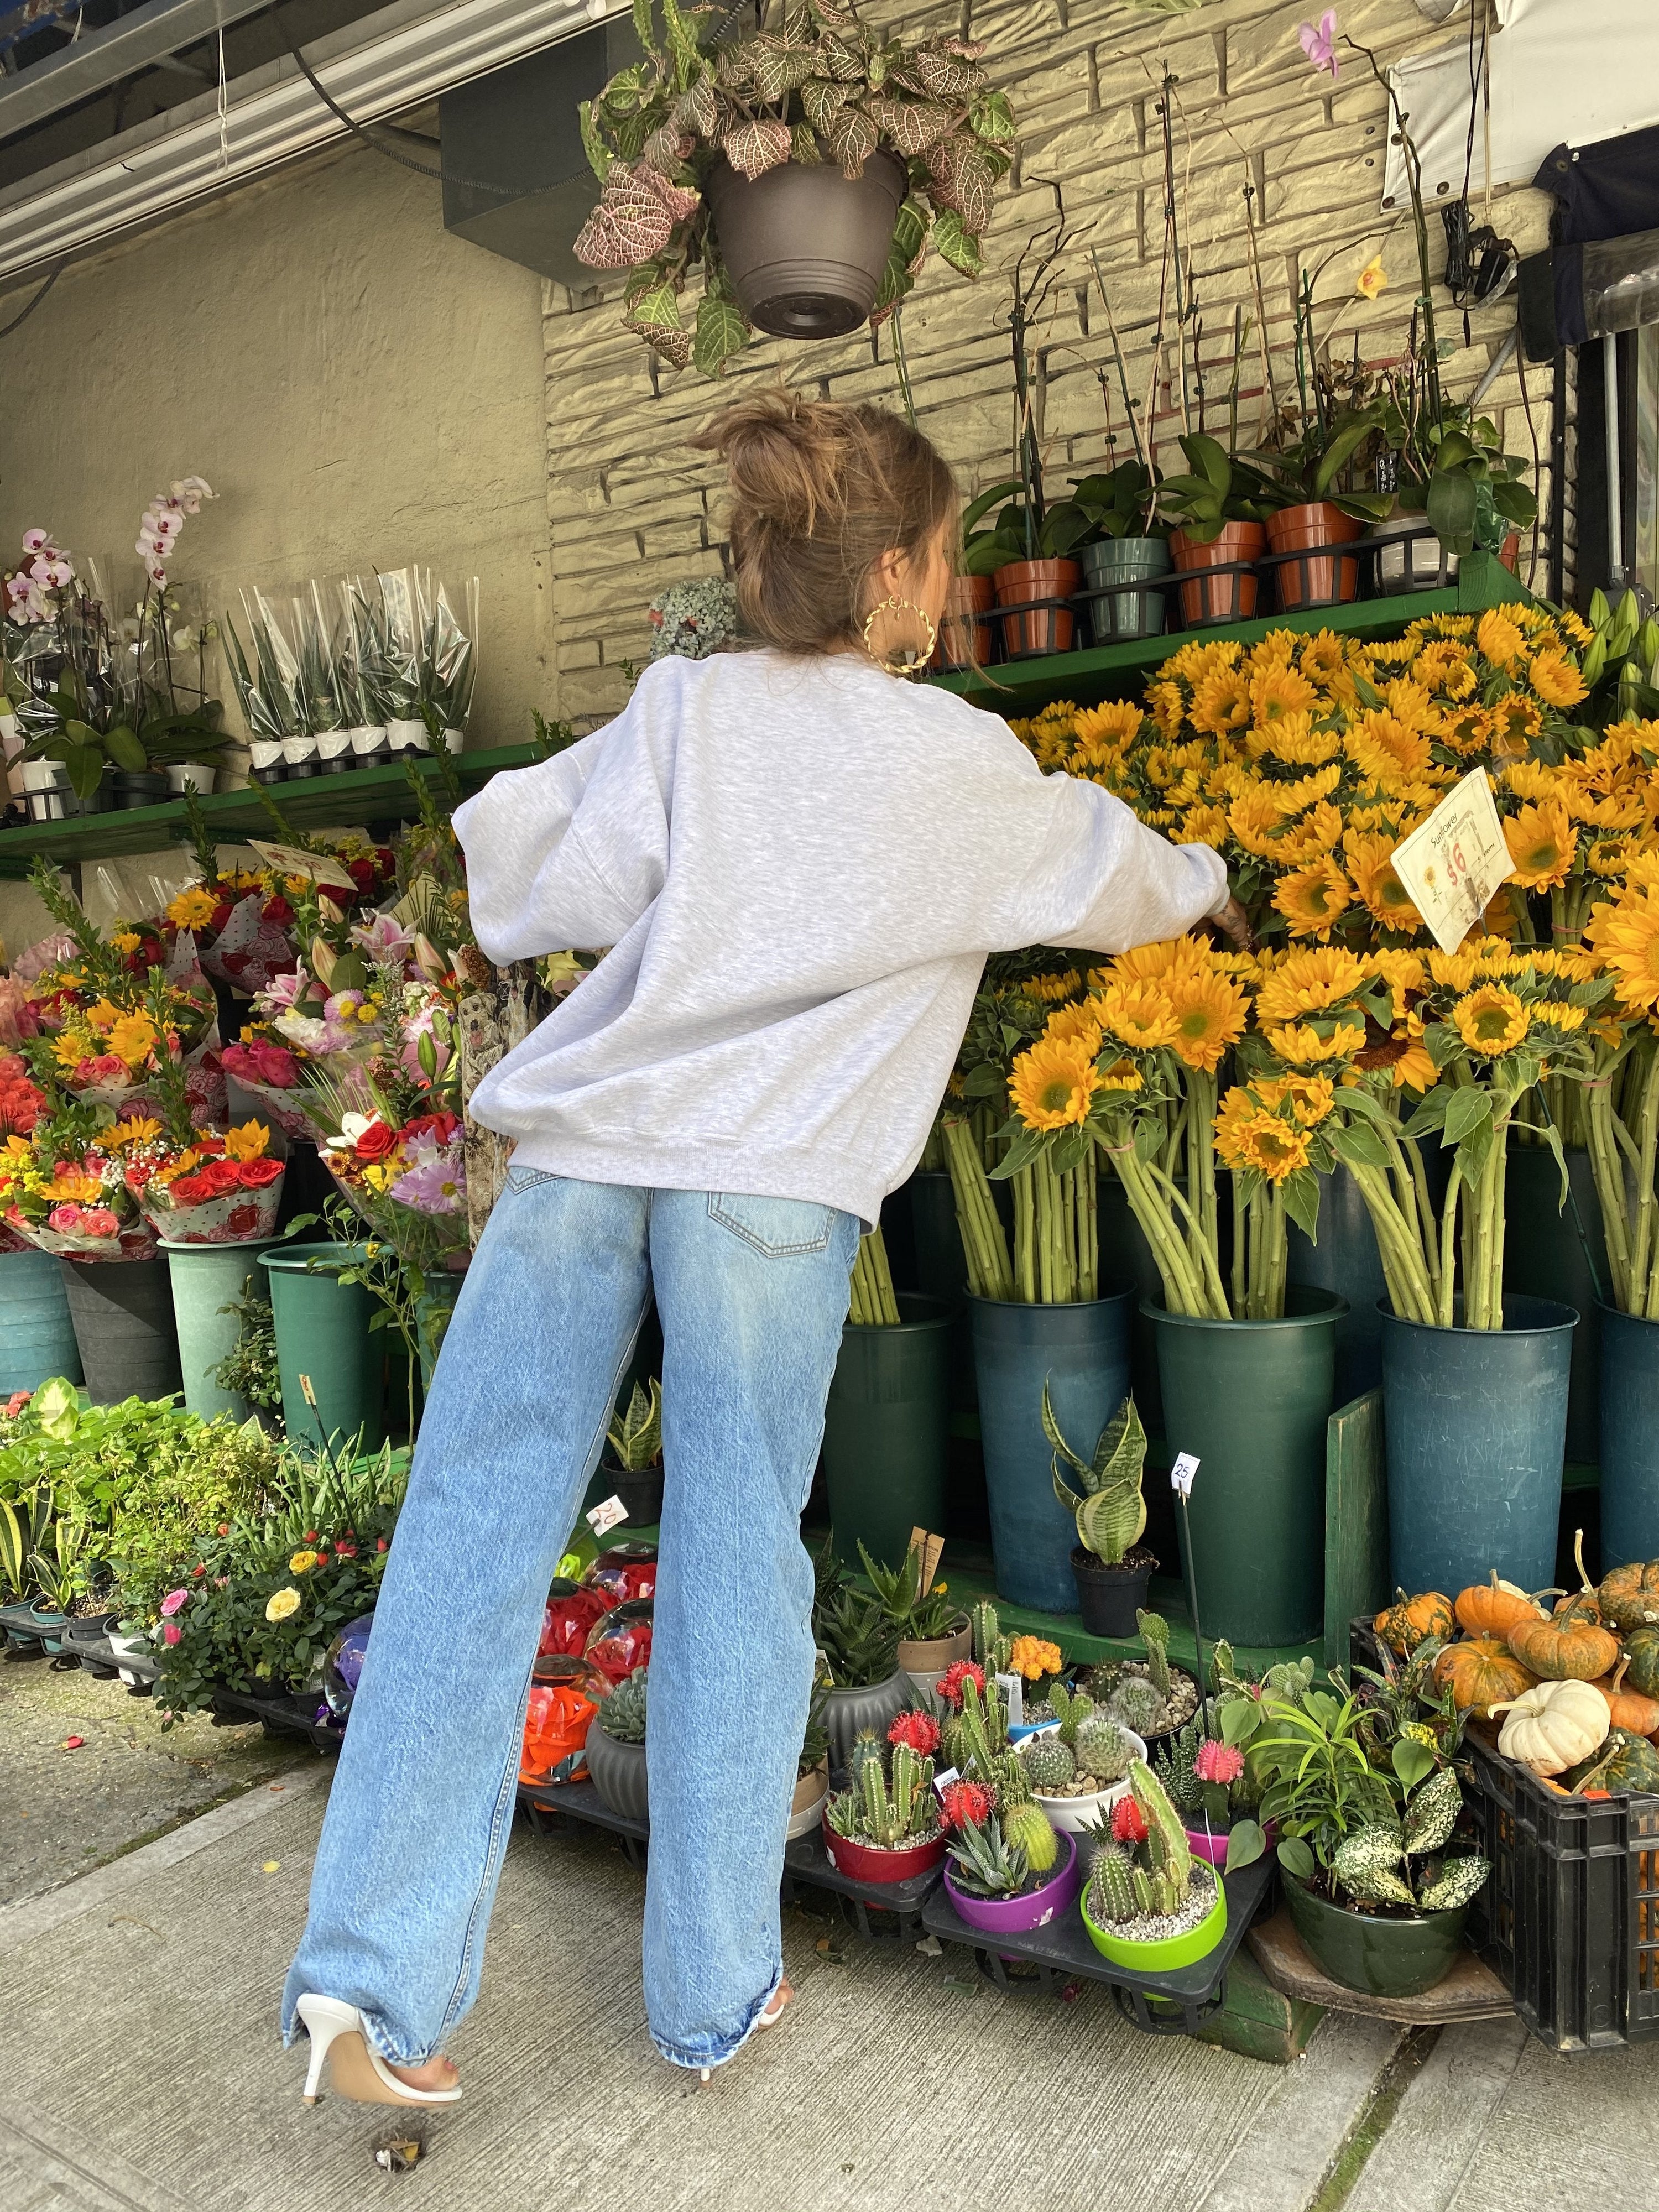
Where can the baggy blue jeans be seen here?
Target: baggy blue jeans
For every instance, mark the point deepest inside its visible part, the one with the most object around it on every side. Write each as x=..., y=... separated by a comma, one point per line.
x=751, y=1293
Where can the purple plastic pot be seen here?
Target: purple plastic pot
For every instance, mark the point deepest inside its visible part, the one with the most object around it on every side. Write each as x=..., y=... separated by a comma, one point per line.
x=1013, y=1916
x=1214, y=1847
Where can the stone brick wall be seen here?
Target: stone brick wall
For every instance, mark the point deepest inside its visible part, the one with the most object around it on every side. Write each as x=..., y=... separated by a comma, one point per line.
x=630, y=510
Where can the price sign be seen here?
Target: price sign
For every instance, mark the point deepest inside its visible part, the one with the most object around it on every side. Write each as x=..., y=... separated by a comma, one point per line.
x=1452, y=864
x=942, y=1782
x=1182, y=1473
x=606, y=1515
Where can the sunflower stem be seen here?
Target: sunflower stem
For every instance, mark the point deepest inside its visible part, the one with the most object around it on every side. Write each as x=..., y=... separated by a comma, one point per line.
x=1647, y=1134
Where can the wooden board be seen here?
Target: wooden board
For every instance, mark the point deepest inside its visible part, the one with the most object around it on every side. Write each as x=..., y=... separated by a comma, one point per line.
x=1470, y=1991
x=1355, y=1520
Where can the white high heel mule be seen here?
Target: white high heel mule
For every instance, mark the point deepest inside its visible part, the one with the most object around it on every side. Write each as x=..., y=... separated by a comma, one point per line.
x=355, y=2069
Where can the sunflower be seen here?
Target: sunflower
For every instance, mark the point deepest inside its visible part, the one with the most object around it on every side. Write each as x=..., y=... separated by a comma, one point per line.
x=1122, y=1075
x=130, y=1133
x=1167, y=706
x=1414, y=1068
x=193, y=908
x=1403, y=972
x=1382, y=748
x=1052, y=988
x=133, y=1037
x=1491, y=1021
x=1277, y=1149
x=1073, y=1022
x=1324, y=657
x=1607, y=856
x=1278, y=691
x=1556, y=1014
x=1466, y=730
x=1117, y=721
x=1307, y=980
x=1498, y=636
x=1555, y=679
x=1222, y=702
x=1441, y=664
x=1530, y=779
x=1294, y=740
x=1302, y=1045
x=1210, y=1014
x=1542, y=844
x=1627, y=936
x=1312, y=898
x=1307, y=790
x=1454, y=971
x=1138, y=1013
x=1254, y=820
x=1151, y=963
x=1516, y=721
x=1411, y=705
x=1050, y=1086
x=1318, y=832
x=1310, y=1098
x=1371, y=863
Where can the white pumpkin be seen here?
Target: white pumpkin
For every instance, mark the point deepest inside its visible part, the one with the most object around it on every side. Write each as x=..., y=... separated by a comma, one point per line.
x=1553, y=1725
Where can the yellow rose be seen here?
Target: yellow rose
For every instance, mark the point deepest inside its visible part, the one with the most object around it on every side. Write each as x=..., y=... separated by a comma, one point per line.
x=301, y=1563
x=282, y=1604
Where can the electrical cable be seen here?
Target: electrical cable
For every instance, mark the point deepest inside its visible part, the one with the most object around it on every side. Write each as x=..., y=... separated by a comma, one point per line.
x=17, y=321
x=403, y=161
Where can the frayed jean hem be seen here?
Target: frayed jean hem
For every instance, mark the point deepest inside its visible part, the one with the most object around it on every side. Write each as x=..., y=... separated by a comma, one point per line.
x=711, y=2054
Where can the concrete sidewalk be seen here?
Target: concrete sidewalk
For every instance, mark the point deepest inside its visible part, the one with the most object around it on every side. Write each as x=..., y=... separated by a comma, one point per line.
x=141, y=2069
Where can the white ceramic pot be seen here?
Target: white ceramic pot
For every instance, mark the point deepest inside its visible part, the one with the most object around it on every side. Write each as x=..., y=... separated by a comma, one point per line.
x=1070, y=1815
x=189, y=775
x=807, y=1805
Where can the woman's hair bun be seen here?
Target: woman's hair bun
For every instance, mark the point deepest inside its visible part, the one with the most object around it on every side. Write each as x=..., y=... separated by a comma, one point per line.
x=787, y=457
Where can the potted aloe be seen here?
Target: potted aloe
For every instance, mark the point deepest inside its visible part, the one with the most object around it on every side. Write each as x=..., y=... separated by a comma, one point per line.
x=931, y=1630
x=1109, y=1563
x=1150, y=1904
x=859, y=1640
x=805, y=167
x=1079, y=1767
x=633, y=1471
x=616, y=1748
x=883, y=1826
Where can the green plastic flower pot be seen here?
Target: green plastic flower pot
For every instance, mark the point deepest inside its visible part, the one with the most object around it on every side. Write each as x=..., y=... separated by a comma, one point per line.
x=887, y=1431
x=322, y=1337
x=1545, y=1257
x=205, y=1278
x=123, y=1314
x=1249, y=1401
x=37, y=1337
x=1175, y=1951
x=1346, y=1260
x=1123, y=561
x=942, y=1273
x=1384, y=1957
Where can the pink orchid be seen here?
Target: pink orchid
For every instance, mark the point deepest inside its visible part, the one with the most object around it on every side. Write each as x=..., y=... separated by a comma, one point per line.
x=174, y=1601
x=1320, y=44
x=33, y=540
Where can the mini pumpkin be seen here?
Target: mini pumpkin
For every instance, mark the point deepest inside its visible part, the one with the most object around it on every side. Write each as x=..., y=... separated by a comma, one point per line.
x=1553, y=1725
x=1630, y=1595
x=1404, y=1624
x=1642, y=1651
x=1629, y=1709
x=1481, y=1673
x=1572, y=1645
x=1624, y=1762
x=1493, y=1609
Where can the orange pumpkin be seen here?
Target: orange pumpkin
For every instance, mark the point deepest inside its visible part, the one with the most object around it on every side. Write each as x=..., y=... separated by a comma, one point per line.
x=1493, y=1609
x=1403, y=1625
x=1630, y=1709
x=1630, y=1595
x=1482, y=1673
x=1572, y=1645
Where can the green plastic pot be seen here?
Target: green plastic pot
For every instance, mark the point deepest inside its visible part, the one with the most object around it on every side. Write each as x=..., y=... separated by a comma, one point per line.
x=1545, y=1257
x=123, y=1314
x=205, y=1278
x=887, y=1429
x=323, y=1334
x=1383, y=1957
x=37, y=1337
x=1249, y=1400
x=942, y=1273
x=1173, y=1952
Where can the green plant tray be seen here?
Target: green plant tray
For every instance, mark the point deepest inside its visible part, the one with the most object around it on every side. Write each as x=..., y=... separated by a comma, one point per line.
x=1175, y=2000
x=1110, y=671
x=360, y=796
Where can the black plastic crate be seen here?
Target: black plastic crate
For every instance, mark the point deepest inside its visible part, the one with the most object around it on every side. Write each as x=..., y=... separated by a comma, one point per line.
x=1569, y=1918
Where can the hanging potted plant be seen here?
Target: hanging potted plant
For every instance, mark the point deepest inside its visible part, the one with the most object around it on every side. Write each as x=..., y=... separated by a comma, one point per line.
x=616, y=1748
x=805, y=166
x=887, y=1421
x=632, y=1473
x=1151, y=1905
x=1109, y=1563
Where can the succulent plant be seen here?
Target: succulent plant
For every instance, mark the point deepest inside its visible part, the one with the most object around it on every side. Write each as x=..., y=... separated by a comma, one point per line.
x=1164, y=1861
x=1111, y=1884
x=1102, y=1751
x=1040, y=1714
x=990, y=1646
x=890, y=1813
x=1155, y=1635
x=1026, y=1826
x=986, y=1863
x=1173, y=1768
x=622, y=1714
x=1109, y=1510
x=1048, y=1763
x=866, y=1749
x=1137, y=1704
x=1070, y=1706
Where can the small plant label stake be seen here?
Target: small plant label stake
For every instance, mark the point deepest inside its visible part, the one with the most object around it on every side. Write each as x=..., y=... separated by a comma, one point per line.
x=1453, y=862
x=1181, y=1481
x=942, y=1782
x=1013, y=1689
x=606, y=1516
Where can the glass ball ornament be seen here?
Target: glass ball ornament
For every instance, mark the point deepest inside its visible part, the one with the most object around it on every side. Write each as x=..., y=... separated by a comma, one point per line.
x=621, y=1641
x=343, y=1664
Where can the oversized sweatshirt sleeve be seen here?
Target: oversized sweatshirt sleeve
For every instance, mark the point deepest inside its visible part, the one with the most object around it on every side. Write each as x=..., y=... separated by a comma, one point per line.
x=1098, y=878
x=572, y=851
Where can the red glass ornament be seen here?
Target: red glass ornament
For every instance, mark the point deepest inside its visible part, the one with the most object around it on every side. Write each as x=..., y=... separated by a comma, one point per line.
x=569, y=1619
x=621, y=1641
x=625, y=1572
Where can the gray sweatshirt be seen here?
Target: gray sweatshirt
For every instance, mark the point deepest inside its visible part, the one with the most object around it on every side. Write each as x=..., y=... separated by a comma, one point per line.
x=799, y=867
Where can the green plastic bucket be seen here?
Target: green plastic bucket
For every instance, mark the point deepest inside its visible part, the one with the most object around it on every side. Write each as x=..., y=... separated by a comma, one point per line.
x=1250, y=1400
x=123, y=1314
x=37, y=1337
x=887, y=1431
x=323, y=1334
x=205, y=1278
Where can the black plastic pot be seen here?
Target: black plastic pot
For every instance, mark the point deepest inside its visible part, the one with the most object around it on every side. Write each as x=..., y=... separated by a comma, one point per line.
x=618, y=1773
x=1109, y=1597
x=123, y=1314
x=804, y=246
x=139, y=787
x=641, y=1494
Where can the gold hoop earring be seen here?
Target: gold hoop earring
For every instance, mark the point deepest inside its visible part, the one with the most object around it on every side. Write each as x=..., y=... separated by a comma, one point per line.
x=907, y=660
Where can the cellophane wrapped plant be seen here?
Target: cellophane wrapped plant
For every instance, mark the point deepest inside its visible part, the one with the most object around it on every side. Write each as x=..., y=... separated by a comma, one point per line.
x=218, y=1187
x=814, y=84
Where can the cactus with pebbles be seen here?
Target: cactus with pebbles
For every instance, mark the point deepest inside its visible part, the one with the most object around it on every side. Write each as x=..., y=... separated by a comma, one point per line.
x=1137, y=1704
x=1111, y=1884
x=1155, y=1635
x=1048, y=1763
x=1102, y=1751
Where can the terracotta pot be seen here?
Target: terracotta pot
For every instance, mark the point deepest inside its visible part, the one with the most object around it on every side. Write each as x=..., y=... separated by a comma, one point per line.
x=1044, y=630
x=1222, y=599
x=961, y=642
x=1313, y=583
x=868, y=1863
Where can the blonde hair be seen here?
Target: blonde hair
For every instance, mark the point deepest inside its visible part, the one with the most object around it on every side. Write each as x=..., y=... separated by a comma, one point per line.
x=819, y=493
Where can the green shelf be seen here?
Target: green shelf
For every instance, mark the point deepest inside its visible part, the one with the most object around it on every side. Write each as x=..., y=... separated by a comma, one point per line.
x=360, y=795
x=1105, y=672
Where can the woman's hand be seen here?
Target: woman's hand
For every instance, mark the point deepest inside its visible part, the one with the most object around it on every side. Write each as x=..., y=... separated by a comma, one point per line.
x=1234, y=924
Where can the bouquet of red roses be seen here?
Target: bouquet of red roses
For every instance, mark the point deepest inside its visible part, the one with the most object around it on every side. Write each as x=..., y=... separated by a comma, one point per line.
x=219, y=1189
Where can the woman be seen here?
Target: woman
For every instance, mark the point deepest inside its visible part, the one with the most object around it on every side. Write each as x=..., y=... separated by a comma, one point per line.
x=800, y=863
